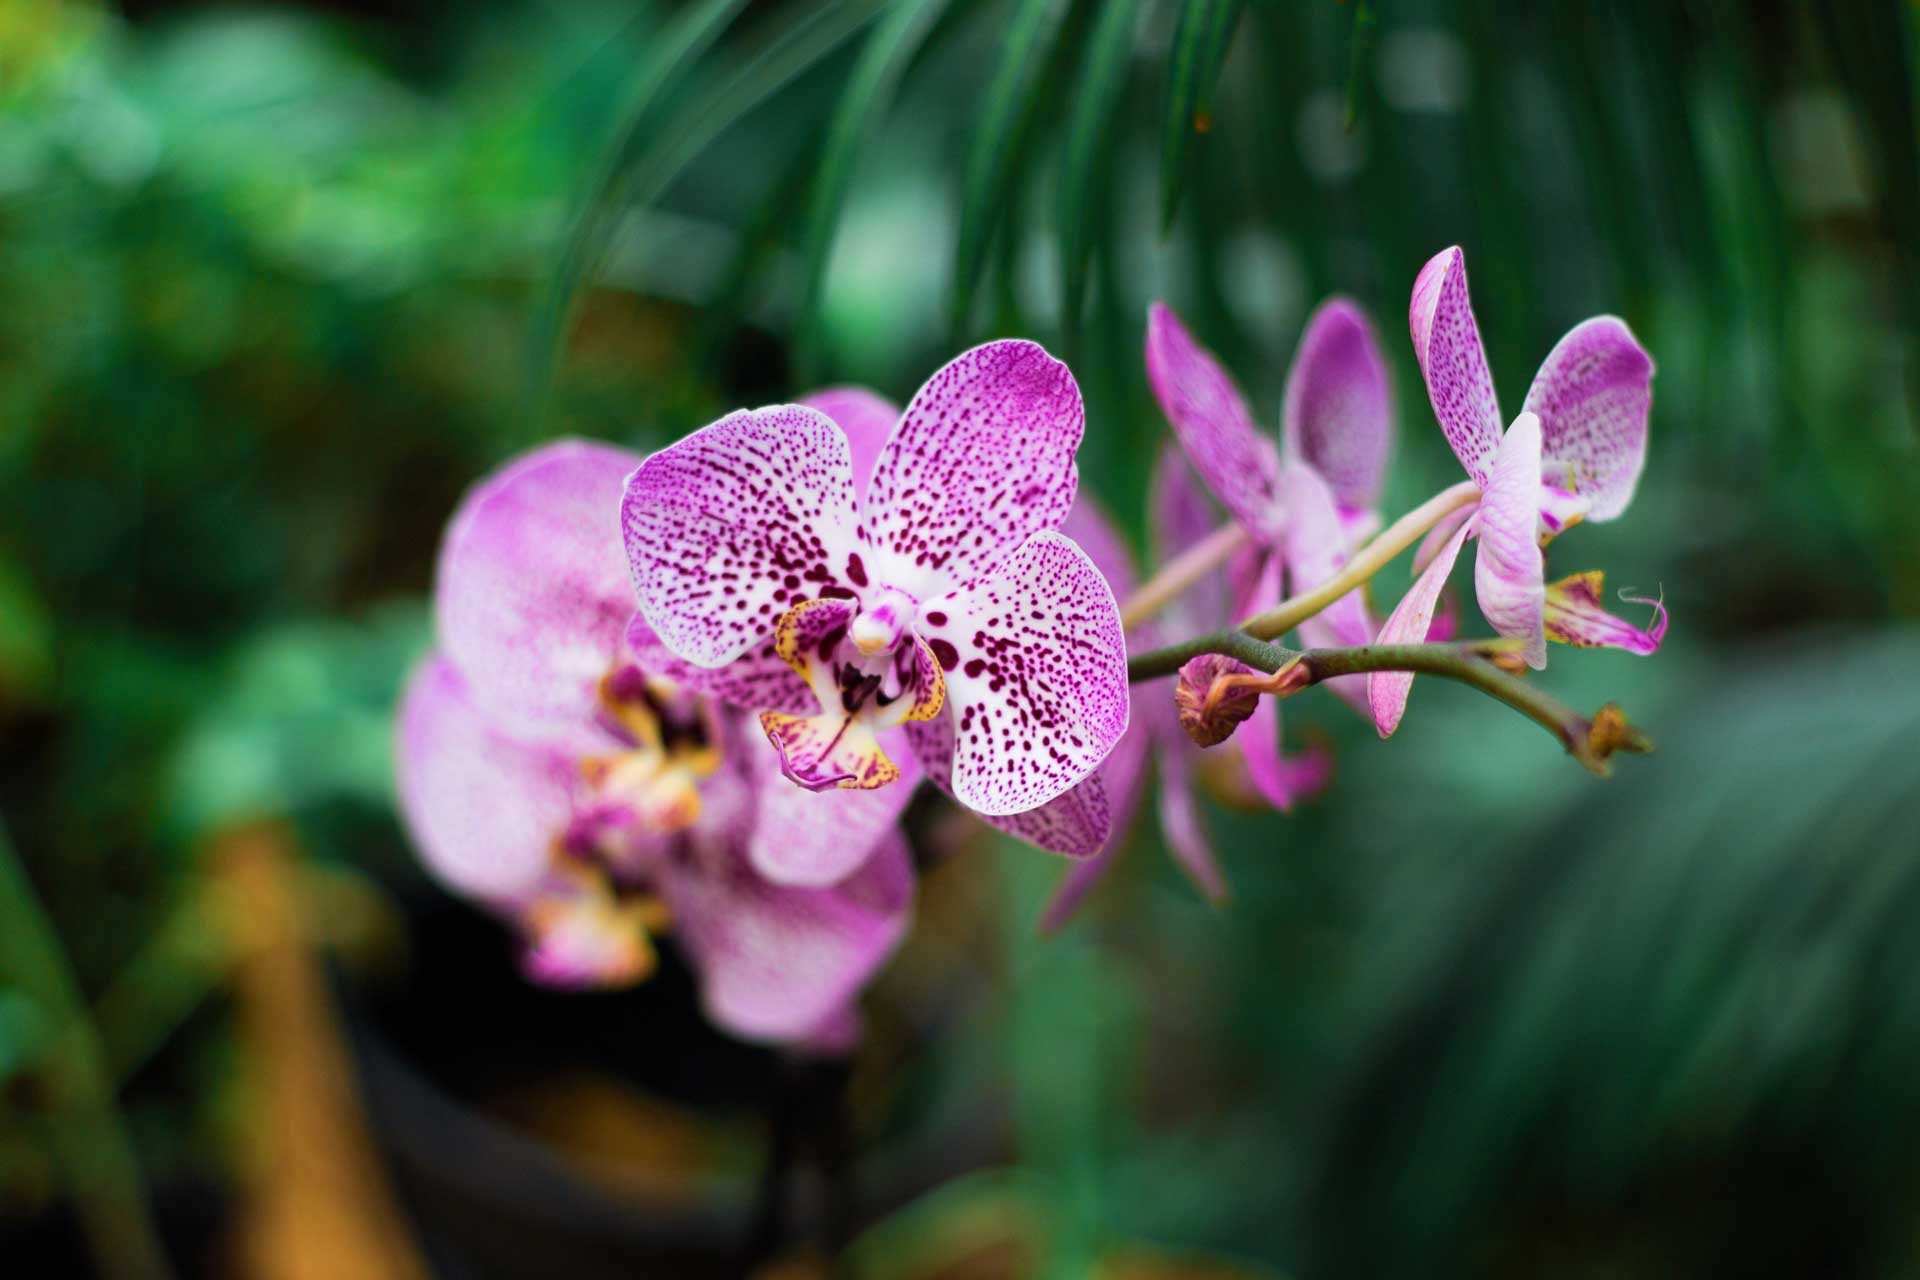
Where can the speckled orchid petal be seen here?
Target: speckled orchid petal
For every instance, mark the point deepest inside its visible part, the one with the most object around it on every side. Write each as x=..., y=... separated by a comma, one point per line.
x=1446, y=340
x=866, y=416
x=1510, y=574
x=1576, y=616
x=1038, y=682
x=758, y=680
x=776, y=962
x=728, y=528
x=484, y=805
x=1074, y=824
x=981, y=460
x=532, y=595
x=1408, y=624
x=813, y=839
x=1593, y=394
x=1337, y=414
x=1211, y=420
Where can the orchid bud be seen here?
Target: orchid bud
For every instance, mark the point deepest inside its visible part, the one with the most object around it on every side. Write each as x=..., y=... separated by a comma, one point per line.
x=1214, y=694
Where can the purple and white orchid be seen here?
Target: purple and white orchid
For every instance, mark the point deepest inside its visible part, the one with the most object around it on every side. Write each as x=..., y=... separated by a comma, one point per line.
x=1575, y=452
x=1305, y=505
x=930, y=597
x=546, y=774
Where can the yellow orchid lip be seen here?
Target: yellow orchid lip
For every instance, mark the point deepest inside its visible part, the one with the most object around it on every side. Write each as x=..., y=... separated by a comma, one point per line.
x=585, y=933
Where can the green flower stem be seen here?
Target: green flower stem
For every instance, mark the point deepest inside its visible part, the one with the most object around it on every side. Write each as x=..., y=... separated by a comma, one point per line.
x=1371, y=559
x=1590, y=741
x=92, y=1148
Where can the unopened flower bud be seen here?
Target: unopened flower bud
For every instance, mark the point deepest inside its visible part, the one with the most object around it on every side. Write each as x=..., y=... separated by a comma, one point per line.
x=1214, y=694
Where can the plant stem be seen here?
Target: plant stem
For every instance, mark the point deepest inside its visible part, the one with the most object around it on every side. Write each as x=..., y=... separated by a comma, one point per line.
x=1181, y=572
x=1371, y=559
x=1464, y=662
x=93, y=1149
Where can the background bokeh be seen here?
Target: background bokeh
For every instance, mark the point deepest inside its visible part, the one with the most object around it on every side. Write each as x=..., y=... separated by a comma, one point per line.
x=277, y=284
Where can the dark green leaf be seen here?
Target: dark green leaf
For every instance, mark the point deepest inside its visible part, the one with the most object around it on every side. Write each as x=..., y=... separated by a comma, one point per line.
x=608, y=188
x=1199, y=48
x=676, y=143
x=1016, y=86
x=1102, y=91
x=869, y=90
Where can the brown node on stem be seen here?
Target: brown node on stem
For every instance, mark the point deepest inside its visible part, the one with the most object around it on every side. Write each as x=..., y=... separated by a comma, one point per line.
x=1611, y=732
x=1215, y=693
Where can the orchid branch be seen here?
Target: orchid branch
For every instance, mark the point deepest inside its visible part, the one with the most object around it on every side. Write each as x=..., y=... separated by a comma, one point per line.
x=1589, y=740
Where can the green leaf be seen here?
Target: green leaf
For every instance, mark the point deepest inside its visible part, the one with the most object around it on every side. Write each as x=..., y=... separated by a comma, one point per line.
x=1199, y=49
x=1102, y=91
x=869, y=90
x=1015, y=88
x=609, y=187
x=675, y=143
x=1364, y=24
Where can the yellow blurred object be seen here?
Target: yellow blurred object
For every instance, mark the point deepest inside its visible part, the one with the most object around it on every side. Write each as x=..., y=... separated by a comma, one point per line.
x=627, y=1142
x=315, y=1200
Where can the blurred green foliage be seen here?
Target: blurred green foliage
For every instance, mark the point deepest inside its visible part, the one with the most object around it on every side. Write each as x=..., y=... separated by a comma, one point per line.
x=277, y=286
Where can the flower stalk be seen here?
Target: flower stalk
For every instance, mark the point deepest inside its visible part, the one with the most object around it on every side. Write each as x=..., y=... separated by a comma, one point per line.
x=1591, y=741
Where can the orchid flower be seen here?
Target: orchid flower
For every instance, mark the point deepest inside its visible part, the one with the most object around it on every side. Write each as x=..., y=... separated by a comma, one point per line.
x=546, y=775
x=1575, y=452
x=932, y=597
x=1305, y=505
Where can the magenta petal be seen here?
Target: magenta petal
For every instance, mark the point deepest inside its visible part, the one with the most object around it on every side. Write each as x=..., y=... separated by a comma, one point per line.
x=1576, y=616
x=1593, y=393
x=1447, y=342
x=777, y=962
x=1183, y=515
x=532, y=595
x=1316, y=551
x=1182, y=825
x=758, y=680
x=866, y=416
x=1259, y=742
x=802, y=837
x=1210, y=419
x=1074, y=824
x=1079, y=881
x=484, y=805
x=1509, y=574
x=1038, y=683
x=1337, y=416
x=982, y=459
x=1387, y=690
x=1437, y=537
x=730, y=527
